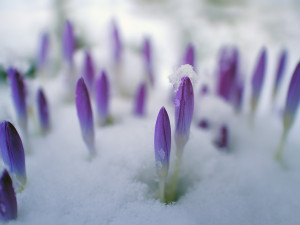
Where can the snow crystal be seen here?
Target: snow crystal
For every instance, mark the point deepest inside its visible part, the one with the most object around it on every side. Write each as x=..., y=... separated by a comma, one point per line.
x=183, y=71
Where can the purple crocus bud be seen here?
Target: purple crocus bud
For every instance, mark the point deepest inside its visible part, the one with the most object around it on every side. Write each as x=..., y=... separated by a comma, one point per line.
x=203, y=124
x=43, y=51
x=280, y=71
x=140, y=99
x=12, y=151
x=184, y=109
x=189, y=57
x=68, y=42
x=88, y=71
x=238, y=94
x=292, y=100
x=204, y=90
x=43, y=111
x=8, y=201
x=222, y=139
x=148, y=59
x=85, y=114
x=117, y=45
x=102, y=97
x=162, y=143
x=258, y=79
x=18, y=96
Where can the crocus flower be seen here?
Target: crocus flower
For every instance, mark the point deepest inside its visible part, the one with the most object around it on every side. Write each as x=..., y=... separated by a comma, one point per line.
x=222, y=139
x=189, y=57
x=43, y=111
x=88, y=71
x=8, y=201
x=258, y=79
x=19, y=97
x=85, y=114
x=117, y=44
x=184, y=109
x=102, y=97
x=12, y=151
x=140, y=99
x=68, y=42
x=43, y=51
x=148, y=59
x=280, y=71
x=203, y=124
x=238, y=94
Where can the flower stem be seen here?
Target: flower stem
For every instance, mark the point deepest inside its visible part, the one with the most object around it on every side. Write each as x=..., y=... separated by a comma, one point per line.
x=280, y=146
x=162, y=190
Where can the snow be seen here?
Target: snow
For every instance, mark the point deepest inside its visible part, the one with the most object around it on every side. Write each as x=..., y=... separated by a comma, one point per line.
x=245, y=185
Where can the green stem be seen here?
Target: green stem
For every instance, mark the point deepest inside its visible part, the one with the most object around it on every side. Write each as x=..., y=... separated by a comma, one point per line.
x=280, y=146
x=174, y=180
x=162, y=190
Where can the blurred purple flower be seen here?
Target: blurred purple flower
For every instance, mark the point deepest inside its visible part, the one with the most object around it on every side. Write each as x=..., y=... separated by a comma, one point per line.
x=43, y=111
x=12, y=151
x=238, y=94
x=184, y=109
x=222, y=139
x=140, y=99
x=102, y=97
x=43, y=51
x=204, y=90
x=280, y=71
x=204, y=124
x=68, y=42
x=117, y=44
x=189, y=57
x=85, y=114
x=162, y=143
x=8, y=201
x=88, y=71
x=148, y=59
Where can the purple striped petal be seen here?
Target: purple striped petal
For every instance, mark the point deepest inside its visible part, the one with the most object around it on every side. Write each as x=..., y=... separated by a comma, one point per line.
x=184, y=109
x=68, y=42
x=85, y=114
x=222, y=139
x=43, y=111
x=280, y=71
x=292, y=100
x=140, y=100
x=88, y=71
x=43, y=50
x=8, y=201
x=189, y=57
x=102, y=97
x=162, y=143
x=117, y=44
x=148, y=59
x=12, y=151
x=258, y=79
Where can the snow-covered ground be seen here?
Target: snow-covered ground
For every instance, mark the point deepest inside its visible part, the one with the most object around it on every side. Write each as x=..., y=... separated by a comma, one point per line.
x=119, y=186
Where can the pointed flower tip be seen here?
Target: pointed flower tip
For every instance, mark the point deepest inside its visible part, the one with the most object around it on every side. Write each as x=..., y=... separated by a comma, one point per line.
x=189, y=57
x=12, y=151
x=102, y=97
x=85, y=114
x=162, y=143
x=8, y=201
x=222, y=139
x=68, y=42
x=117, y=44
x=140, y=100
x=184, y=109
x=88, y=71
x=43, y=50
x=293, y=98
x=43, y=110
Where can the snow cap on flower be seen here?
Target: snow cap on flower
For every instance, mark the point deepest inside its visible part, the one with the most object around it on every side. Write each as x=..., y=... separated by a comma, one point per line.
x=162, y=143
x=222, y=138
x=140, y=100
x=189, y=57
x=43, y=50
x=184, y=109
x=88, y=71
x=258, y=78
x=12, y=151
x=68, y=42
x=148, y=59
x=280, y=71
x=85, y=114
x=8, y=201
x=292, y=100
x=102, y=97
x=43, y=110
x=117, y=44
x=183, y=71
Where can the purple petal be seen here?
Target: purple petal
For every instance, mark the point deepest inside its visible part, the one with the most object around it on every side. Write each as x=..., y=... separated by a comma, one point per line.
x=85, y=114
x=162, y=143
x=117, y=45
x=88, y=71
x=140, y=100
x=8, y=201
x=238, y=94
x=148, y=59
x=43, y=50
x=184, y=109
x=189, y=57
x=43, y=111
x=222, y=139
x=102, y=97
x=280, y=71
x=68, y=42
x=258, y=78
x=12, y=151
x=292, y=100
